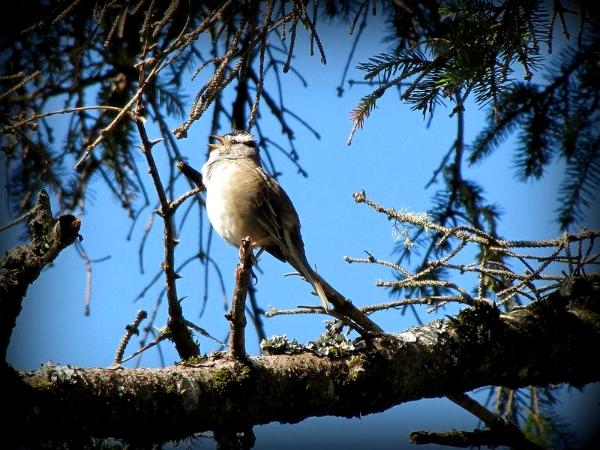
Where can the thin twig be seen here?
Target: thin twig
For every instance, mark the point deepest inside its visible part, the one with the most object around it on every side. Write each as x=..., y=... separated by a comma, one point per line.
x=370, y=259
x=513, y=289
x=433, y=300
x=302, y=310
x=68, y=111
x=20, y=84
x=469, y=233
x=191, y=174
x=130, y=331
x=178, y=201
x=438, y=283
x=182, y=337
x=88, y=275
x=237, y=316
x=125, y=110
x=18, y=220
x=203, y=332
x=493, y=421
x=161, y=337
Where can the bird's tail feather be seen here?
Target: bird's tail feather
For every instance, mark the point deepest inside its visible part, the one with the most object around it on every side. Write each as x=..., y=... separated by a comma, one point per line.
x=300, y=263
x=318, y=287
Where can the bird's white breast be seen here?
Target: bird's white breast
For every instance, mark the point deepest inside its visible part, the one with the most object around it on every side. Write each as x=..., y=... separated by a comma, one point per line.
x=220, y=200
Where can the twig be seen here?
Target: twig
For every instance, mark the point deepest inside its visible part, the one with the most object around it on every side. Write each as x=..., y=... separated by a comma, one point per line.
x=434, y=300
x=161, y=337
x=148, y=329
x=214, y=86
x=237, y=315
x=370, y=259
x=20, y=84
x=182, y=337
x=431, y=266
x=68, y=111
x=261, y=74
x=513, y=435
x=18, y=220
x=203, y=332
x=340, y=88
x=191, y=174
x=178, y=201
x=438, y=283
x=88, y=275
x=125, y=110
x=130, y=331
x=468, y=233
x=503, y=273
x=303, y=310
x=147, y=230
x=310, y=24
x=286, y=66
x=513, y=289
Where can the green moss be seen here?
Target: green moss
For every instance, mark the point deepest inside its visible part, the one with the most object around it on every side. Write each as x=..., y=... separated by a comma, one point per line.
x=41, y=384
x=232, y=380
x=194, y=361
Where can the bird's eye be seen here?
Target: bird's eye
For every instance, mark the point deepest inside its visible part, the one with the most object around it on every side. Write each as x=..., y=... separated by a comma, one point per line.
x=234, y=141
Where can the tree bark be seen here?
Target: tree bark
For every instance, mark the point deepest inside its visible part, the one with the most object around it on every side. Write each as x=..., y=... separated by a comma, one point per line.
x=21, y=266
x=546, y=342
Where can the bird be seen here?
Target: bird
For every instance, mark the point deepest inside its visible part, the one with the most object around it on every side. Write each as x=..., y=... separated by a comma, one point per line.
x=242, y=200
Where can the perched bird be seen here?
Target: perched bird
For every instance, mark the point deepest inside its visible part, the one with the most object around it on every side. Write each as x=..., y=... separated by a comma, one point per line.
x=243, y=200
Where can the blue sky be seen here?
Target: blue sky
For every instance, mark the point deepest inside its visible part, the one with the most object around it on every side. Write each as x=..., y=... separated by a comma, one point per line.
x=392, y=159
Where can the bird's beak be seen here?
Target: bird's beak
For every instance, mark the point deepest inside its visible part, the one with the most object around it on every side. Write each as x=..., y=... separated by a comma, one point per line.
x=221, y=139
x=218, y=138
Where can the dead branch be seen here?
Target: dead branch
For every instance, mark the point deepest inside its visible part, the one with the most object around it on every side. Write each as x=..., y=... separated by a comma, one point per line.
x=130, y=330
x=21, y=266
x=509, y=282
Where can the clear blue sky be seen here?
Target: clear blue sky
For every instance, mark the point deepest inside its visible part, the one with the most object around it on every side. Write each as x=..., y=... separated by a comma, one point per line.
x=392, y=159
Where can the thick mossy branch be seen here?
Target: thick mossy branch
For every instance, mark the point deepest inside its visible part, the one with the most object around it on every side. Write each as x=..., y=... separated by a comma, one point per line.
x=544, y=343
x=20, y=266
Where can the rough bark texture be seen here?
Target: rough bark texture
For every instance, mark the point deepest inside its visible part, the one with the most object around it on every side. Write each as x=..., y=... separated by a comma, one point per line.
x=21, y=266
x=546, y=342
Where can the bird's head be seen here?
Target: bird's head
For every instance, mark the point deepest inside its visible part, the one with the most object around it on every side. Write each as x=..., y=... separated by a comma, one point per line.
x=237, y=144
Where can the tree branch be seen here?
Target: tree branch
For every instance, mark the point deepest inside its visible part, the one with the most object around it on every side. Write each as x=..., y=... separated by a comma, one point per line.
x=181, y=335
x=501, y=431
x=21, y=266
x=454, y=438
x=546, y=342
x=191, y=174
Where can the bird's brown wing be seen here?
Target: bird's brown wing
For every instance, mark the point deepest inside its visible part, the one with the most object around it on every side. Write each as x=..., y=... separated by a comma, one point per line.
x=277, y=215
